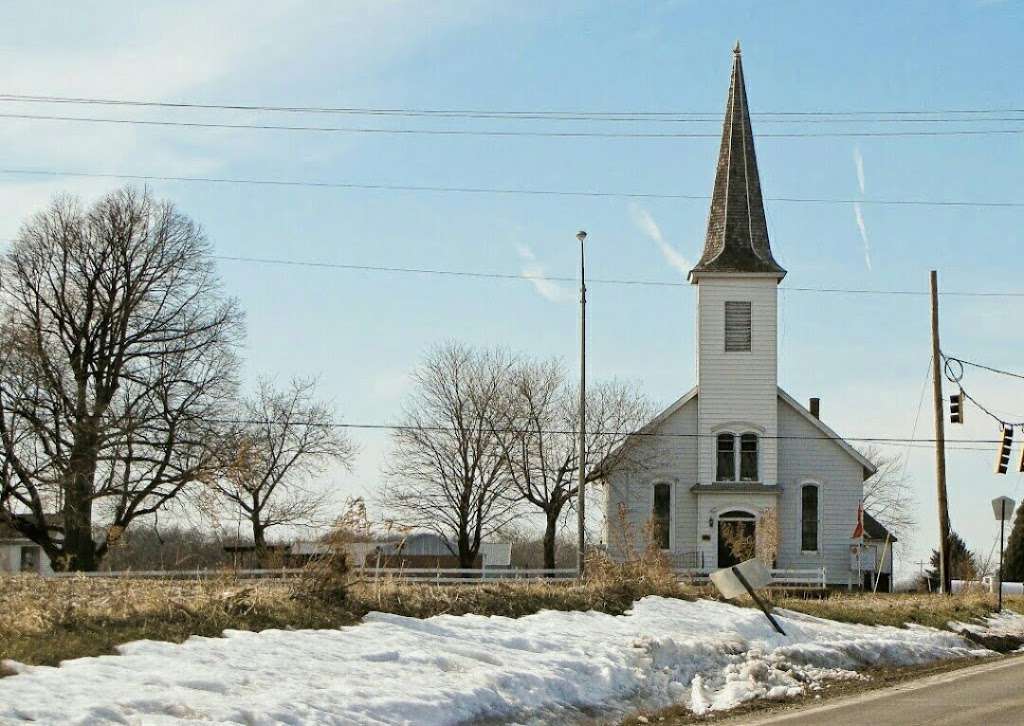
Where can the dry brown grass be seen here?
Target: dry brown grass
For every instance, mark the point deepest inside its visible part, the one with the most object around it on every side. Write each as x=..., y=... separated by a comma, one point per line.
x=44, y=621
x=48, y=620
x=899, y=608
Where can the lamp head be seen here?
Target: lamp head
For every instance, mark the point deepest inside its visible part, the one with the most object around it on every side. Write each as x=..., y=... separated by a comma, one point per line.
x=581, y=235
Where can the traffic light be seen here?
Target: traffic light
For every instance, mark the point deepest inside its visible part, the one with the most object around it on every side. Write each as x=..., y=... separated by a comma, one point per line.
x=1003, y=460
x=956, y=408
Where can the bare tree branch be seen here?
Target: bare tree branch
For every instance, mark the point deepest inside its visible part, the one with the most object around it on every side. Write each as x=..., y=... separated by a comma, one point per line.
x=447, y=472
x=117, y=352
x=284, y=439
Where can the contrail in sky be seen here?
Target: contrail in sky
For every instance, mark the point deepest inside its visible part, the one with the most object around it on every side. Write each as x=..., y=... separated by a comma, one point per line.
x=646, y=223
x=533, y=271
x=859, y=214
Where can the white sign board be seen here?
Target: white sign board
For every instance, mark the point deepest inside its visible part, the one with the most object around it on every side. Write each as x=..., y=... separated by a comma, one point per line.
x=753, y=572
x=1002, y=507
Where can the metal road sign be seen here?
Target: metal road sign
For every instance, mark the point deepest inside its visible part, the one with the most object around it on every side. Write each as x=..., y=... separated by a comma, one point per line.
x=1003, y=508
x=729, y=584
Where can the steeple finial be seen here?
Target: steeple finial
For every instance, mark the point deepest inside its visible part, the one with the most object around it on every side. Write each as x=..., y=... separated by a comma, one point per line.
x=737, y=236
x=736, y=48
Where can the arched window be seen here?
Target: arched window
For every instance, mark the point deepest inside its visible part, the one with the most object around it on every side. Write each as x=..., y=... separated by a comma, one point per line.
x=726, y=458
x=748, y=457
x=733, y=459
x=809, y=518
x=661, y=515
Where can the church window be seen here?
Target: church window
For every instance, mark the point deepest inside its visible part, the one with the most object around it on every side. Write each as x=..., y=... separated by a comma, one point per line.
x=748, y=457
x=726, y=458
x=737, y=326
x=661, y=515
x=737, y=455
x=809, y=518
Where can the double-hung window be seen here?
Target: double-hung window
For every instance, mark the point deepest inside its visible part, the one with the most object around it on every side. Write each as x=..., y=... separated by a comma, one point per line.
x=737, y=457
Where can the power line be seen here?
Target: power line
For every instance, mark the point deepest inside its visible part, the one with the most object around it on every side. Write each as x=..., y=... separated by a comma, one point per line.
x=491, y=190
x=501, y=132
x=956, y=375
x=576, y=114
x=569, y=432
x=987, y=368
x=557, y=278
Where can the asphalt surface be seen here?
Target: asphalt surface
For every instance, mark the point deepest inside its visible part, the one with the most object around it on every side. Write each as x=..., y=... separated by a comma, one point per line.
x=991, y=695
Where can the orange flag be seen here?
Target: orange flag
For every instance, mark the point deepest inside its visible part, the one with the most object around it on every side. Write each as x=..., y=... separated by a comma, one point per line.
x=858, y=531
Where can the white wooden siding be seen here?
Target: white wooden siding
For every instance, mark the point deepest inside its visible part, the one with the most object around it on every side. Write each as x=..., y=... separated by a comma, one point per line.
x=737, y=387
x=815, y=458
x=653, y=459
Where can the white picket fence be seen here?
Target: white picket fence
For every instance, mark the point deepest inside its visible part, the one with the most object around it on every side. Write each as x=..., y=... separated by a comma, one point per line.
x=426, y=575
x=808, y=579
x=442, y=575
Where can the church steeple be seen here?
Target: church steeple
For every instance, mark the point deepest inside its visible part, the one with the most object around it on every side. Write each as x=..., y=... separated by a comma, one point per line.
x=737, y=237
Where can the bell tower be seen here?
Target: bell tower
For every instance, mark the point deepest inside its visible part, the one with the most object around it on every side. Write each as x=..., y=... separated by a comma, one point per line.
x=737, y=308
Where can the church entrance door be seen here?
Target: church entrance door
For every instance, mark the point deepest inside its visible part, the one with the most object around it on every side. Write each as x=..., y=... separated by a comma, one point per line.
x=736, y=538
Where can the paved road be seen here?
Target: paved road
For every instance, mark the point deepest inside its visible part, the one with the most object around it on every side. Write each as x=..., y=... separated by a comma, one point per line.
x=991, y=695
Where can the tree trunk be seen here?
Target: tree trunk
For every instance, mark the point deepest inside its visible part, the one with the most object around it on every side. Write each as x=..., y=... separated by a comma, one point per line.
x=259, y=541
x=466, y=554
x=79, y=550
x=550, y=532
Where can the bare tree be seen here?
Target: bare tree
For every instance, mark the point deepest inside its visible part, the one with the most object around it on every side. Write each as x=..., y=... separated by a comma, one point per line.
x=447, y=472
x=540, y=444
x=285, y=437
x=888, y=496
x=117, y=357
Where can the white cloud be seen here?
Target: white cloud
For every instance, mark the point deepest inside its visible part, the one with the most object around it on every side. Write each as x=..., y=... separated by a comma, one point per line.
x=234, y=51
x=859, y=214
x=645, y=222
x=534, y=271
x=858, y=162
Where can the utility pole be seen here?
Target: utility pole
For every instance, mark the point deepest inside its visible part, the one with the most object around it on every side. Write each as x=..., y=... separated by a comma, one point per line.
x=940, y=442
x=582, y=453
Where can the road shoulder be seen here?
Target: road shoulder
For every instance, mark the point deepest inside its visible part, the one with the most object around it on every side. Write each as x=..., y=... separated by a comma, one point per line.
x=880, y=682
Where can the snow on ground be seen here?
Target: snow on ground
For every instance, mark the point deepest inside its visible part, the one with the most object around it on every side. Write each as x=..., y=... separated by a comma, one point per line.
x=447, y=669
x=1005, y=623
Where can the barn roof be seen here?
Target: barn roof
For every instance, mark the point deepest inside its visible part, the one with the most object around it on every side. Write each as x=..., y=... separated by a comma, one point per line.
x=737, y=236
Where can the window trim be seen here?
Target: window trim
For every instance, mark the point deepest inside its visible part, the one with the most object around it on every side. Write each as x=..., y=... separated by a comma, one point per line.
x=737, y=431
x=817, y=485
x=671, y=510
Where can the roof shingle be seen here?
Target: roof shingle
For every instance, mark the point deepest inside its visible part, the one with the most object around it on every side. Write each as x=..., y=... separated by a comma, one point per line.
x=737, y=236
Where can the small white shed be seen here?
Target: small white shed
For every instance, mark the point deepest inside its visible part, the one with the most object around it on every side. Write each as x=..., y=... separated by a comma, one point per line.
x=21, y=555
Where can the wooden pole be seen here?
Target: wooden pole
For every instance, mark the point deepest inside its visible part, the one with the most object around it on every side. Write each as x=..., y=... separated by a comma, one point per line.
x=940, y=442
x=582, y=453
x=1002, y=532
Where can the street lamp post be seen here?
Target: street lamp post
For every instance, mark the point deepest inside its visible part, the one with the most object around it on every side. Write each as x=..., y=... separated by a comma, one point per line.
x=582, y=446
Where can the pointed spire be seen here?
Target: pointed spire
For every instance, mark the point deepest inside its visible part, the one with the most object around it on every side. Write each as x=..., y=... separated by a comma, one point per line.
x=737, y=237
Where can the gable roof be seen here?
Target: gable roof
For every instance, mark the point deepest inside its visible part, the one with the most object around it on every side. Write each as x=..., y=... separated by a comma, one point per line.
x=873, y=529
x=652, y=426
x=737, y=236
x=648, y=428
x=869, y=468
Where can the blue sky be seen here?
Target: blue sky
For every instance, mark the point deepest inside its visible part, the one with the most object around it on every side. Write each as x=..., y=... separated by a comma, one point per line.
x=865, y=355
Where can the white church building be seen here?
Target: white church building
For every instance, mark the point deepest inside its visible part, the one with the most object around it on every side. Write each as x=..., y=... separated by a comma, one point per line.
x=736, y=448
